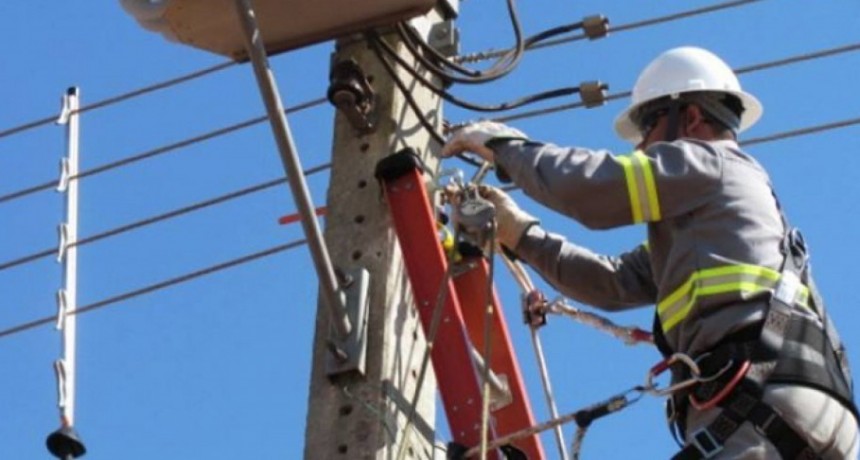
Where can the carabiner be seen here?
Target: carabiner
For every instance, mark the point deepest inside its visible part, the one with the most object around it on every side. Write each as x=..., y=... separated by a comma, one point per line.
x=662, y=366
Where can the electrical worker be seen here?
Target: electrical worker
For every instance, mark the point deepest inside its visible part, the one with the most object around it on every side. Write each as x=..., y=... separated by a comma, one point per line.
x=726, y=272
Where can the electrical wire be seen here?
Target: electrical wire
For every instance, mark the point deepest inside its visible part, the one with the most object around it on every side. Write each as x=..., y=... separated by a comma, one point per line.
x=500, y=68
x=119, y=98
x=804, y=57
x=375, y=41
x=801, y=132
x=160, y=217
x=47, y=185
x=492, y=54
x=156, y=287
x=465, y=104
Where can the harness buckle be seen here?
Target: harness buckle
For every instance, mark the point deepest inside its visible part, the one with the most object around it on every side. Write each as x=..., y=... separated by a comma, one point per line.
x=706, y=443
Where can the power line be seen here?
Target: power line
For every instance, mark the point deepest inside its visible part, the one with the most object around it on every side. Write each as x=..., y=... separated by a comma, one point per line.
x=155, y=287
x=262, y=186
x=269, y=184
x=119, y=98
x=801, y=132
x=493, y=54
x=811, y=56
x=47, y=185
x=800, y=58
x=161, y=217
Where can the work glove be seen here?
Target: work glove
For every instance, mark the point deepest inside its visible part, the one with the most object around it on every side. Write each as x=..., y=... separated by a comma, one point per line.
x=475, y=136
x=511, y=221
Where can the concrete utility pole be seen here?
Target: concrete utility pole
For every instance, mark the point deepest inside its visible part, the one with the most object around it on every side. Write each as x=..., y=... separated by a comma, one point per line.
x=362, y=417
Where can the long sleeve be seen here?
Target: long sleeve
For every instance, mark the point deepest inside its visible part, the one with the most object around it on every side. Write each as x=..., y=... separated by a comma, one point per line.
x=602, y=190
x=607, y=283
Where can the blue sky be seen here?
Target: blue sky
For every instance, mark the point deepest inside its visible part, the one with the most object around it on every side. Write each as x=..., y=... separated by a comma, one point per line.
x=218, y=367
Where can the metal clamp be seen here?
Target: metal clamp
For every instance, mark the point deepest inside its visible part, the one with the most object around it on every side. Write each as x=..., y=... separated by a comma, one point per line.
x=63, y=241
x=534, y=308
x=593, y=93
x=705, y=443
x=63, y=183
x=596, y=26
x=349, y=355
x=62, y=309
x=350, y=91
x=445, y=38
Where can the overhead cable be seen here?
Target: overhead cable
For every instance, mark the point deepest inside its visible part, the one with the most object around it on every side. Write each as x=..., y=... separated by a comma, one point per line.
x=460, y=102
x=161, y=217
x=119, y=98
x=506, y=63
x=811, y=56
x=801, y=132
x=269, y=184
x=155, y=287
x=375, y=42
x=47, y=185
x=493, y=54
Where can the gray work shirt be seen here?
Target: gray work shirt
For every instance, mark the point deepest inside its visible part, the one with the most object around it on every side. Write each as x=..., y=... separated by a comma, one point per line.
x=714, y=231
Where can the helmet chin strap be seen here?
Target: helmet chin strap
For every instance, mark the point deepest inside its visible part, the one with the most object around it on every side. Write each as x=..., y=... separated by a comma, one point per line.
x=672, y=122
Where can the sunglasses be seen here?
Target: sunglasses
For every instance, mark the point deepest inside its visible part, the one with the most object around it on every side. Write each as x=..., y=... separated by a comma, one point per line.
x=648, y=122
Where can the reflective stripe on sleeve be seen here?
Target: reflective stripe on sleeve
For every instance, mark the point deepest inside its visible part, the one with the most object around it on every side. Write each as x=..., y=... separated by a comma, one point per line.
x=641, y=187
x=744, y=280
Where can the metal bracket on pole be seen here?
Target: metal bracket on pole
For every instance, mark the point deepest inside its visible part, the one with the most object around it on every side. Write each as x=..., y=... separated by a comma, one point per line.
x=445, y=38
x=332, y=294
x=350, y=354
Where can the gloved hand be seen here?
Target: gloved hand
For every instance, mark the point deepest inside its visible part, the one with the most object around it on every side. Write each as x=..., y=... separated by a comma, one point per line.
x=474, y=137
x=511, y=221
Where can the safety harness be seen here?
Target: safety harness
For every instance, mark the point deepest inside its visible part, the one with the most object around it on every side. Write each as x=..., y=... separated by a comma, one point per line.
x=790, y=346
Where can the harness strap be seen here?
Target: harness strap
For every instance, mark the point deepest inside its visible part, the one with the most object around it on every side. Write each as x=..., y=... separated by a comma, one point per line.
x=745, y=405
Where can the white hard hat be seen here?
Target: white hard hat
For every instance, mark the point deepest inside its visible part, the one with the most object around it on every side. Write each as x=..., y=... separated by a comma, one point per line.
x=683, y=70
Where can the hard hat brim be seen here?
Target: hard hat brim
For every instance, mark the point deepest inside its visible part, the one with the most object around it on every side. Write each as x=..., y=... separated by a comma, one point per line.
x=627, y=130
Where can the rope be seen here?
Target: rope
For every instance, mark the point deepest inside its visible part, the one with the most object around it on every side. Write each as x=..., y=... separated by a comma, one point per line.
x=154, y=287
x=442, y=293
x=629, y=335
x=583, y=418
x=527, y=286
x=488, y=344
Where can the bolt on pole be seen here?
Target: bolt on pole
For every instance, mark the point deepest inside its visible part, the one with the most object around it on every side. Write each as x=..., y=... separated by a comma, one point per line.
x=268, y=90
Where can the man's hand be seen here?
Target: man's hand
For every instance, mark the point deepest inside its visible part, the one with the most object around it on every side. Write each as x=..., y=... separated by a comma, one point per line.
x=511, y=221
x=474, y=137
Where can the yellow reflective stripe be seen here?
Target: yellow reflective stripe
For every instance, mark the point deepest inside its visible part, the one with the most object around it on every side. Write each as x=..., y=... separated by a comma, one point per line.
x=650, y=186
x=632, y=188
x=743, y=287
x=743, y=279
x=641, y=187
x=725, y=271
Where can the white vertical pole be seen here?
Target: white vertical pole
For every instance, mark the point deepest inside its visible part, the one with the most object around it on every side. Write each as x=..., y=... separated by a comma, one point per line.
x=68, y=256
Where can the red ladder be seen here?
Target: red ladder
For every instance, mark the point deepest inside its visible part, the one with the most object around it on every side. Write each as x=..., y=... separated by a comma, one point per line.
x=462, y=319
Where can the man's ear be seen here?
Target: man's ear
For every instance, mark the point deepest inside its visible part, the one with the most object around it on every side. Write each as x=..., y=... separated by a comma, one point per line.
x=693, y=119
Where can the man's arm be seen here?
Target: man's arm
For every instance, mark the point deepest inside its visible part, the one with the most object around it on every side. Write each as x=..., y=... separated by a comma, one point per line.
x=607, y=283
x=602, y=190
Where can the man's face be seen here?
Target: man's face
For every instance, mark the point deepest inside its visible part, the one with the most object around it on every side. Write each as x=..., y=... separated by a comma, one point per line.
x=653, y=129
